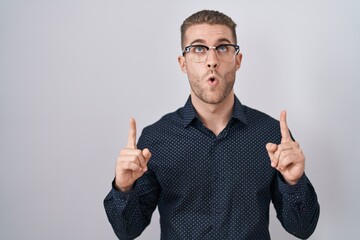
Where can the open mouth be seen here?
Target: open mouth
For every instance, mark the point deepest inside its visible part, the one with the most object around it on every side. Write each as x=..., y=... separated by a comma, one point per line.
x=212, y=81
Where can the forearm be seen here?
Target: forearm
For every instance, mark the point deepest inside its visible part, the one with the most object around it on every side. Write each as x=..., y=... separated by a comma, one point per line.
x=297, y=207
x=129, y=213
x=124, y=214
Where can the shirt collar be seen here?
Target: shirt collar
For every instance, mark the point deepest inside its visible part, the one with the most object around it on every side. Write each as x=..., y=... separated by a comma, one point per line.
x=190, y=113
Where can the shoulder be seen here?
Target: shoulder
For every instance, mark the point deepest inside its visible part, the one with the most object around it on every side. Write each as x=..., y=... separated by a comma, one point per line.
x=255, y=117
x=171, y=122
x=167, y=121
x=261, y=125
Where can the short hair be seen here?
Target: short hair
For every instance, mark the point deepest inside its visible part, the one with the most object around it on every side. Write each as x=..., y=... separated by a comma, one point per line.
x=209, y=17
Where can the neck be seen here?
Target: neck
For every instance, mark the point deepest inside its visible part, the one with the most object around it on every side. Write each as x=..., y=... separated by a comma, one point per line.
x=214, y=116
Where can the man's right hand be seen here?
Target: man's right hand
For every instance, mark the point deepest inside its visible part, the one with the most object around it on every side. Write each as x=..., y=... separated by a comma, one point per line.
x=131, y=163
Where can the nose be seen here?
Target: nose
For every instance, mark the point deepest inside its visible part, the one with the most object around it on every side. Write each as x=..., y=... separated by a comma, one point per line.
x=212, y=59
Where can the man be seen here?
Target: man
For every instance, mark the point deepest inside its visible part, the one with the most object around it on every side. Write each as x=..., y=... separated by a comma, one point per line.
x=213, y=166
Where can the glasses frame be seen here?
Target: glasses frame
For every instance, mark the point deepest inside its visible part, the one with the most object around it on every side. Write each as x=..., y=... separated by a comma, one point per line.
x=187, y=49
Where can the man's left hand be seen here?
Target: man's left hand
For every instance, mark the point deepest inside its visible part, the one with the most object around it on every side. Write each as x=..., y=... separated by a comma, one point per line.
x=287, y=157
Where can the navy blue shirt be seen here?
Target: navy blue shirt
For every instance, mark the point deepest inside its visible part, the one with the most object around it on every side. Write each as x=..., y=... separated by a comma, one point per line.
x=212, y=187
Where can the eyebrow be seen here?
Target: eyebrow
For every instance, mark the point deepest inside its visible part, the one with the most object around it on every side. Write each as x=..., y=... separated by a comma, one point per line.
x=203, y=41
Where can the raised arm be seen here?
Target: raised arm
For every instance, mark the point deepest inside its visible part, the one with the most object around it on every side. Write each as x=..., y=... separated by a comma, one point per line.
x=135, y=190
x=293, y=195
x=131, y=163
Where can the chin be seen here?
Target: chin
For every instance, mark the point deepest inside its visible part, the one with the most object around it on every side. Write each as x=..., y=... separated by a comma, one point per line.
x=213, y=100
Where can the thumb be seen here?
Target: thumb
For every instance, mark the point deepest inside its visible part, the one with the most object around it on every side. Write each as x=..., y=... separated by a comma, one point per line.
x=271, y=147
x=147, y=154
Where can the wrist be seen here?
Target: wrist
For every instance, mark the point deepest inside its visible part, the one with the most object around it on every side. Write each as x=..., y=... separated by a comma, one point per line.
x=125, y=189
x=288, y=181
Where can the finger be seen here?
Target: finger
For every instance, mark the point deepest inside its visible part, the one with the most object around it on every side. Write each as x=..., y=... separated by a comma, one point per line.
x=127, y=164
x=284, y=147
x=132, y=135
x=271, y=148
x=131, y=166
x=285, y=134
x=147, y=155
x=133, y=155
x=286, y=160
x=281, y=154
x=142, y=159
x=136, y=155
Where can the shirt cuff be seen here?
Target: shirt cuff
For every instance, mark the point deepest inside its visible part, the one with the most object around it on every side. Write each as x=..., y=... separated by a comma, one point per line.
x=121, y=198
x=292, y=189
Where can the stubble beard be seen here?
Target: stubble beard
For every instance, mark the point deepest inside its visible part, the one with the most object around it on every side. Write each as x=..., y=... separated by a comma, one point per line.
x=212, y=95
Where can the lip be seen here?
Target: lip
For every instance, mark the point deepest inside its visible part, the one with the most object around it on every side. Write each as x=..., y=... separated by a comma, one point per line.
x=212, y=81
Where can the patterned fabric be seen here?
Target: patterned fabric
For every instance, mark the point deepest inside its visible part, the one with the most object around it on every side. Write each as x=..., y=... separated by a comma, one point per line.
x=212, y=187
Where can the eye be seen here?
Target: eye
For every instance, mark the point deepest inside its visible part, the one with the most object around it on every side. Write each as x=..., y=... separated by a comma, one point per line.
x=199, y=49
x=222, y=48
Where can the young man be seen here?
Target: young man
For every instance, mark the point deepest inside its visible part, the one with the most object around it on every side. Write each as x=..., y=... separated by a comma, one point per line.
x=213, y=166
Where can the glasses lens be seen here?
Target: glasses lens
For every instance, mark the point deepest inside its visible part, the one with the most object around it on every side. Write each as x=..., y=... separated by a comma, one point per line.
x=226, y=52
x=199, y=53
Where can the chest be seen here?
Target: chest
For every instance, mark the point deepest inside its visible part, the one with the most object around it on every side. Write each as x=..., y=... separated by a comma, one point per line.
x=201, y=163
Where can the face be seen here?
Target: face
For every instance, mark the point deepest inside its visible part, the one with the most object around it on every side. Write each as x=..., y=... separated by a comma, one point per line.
x=211, y=81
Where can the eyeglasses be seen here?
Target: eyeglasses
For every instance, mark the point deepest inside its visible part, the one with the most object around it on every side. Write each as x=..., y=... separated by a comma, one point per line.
x=199, y=53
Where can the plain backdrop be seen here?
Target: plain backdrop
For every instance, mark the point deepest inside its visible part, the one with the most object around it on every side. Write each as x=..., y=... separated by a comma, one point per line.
x=72, y=73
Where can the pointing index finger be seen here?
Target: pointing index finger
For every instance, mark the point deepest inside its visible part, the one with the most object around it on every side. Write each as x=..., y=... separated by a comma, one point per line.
x=132, y=135
x=285, y=134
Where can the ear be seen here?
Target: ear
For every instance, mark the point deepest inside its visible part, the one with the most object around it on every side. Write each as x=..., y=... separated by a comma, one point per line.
x=238, y=59
x=182, y=64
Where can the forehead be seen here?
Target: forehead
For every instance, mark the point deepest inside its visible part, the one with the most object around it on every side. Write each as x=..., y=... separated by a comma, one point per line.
x=208, y=34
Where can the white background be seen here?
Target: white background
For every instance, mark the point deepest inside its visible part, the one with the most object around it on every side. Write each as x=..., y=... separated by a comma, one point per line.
x=73, y=72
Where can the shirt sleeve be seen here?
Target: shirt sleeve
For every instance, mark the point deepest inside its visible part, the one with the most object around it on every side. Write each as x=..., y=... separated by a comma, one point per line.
x=130, y=213
x=296, y=206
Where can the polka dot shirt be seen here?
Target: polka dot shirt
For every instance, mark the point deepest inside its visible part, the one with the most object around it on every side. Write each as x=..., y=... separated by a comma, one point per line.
x=212, y=187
